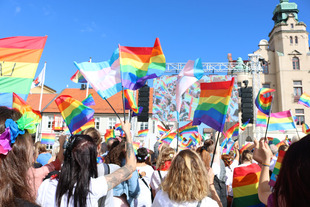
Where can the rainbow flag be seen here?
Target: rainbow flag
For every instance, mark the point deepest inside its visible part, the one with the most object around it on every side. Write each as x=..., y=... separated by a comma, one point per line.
x=191, y=73
x=187, y=143
x=104, y=77
x=244, y=147
x=143, y=133
x=19, y=59
x=66, y=130
x=305, y=128
x=262, y=102
x=232, y=131
x=283, y=142
x=213, y=104
x=304, y=100
x=48, y=138
x=28, y=113
x=89, y=100
x=74, y=112
x=162, y=130
x=78, y=77
x=277, y=167
x=196, y=138
x=168, y=138
x=141, y=63
x=136, y=146
x=278, y=121
x=89, y=124
x=226, y=145
x=245, y=186
x=188, y=129
x=243, y=126
x=118, y=127
x=130, y=103
x=109, y=134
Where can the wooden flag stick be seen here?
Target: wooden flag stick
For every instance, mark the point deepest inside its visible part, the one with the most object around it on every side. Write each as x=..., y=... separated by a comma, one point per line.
x=217, y=140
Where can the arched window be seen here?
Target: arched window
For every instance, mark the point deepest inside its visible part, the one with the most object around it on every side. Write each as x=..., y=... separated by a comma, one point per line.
x=291, y=39
x=296, y=40
x=296, y=63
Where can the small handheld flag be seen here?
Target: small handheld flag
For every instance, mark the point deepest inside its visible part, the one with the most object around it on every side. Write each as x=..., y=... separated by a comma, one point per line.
x=304, y=100
x=262, y=102
x=89, y=101
x=243, y=126
x=143, y=133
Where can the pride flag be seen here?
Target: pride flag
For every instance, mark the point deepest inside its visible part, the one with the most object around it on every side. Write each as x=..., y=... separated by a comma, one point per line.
x=19, y=59
x=213, y=104
x=104, y=77
x=74, y=112
x=168, y=138
x=109, y=134
x=262, y=101
x=141, y=63
x=78, y=77
x=47, y=138
x=187, y=143
x=162, y=130
x=245, y=186
x=28, y=113
x=278, y=121
x=232, y=131
x=244, y=147
x=89, y=124
x=89, y=100
x=226, y=145
x=143, y=133
x=304, y=100
x=130, y=102
x=188, y=129
x=277, y=167
x=136, y=146
x=305, y=128
x=191, y=73
x=243, y=126
x=196, y=137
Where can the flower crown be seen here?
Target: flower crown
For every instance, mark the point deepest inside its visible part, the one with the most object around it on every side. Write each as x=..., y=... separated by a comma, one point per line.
x=13, y=129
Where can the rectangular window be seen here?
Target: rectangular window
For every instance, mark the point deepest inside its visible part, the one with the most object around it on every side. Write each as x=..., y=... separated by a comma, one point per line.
x=97, y=122
x=292, y=26
x=266, y=85
x=50, y=120
x=300, y=117
x=144, y=125
x=297, y=90
x=265, y=67
x=112, y=122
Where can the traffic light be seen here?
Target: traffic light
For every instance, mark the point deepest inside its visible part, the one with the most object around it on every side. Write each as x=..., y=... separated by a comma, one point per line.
x=143, y=100
x=246, y=104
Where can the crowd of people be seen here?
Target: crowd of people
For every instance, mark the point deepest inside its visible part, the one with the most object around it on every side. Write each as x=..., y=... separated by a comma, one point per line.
x=88, y=171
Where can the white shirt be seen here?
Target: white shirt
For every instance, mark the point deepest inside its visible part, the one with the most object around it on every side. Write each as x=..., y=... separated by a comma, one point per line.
x=47, y=193
x=144, y=198
x=155, y=179
x=229, y=175
x=162, y=199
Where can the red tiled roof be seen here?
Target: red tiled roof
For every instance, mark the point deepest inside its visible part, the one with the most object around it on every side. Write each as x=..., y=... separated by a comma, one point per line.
x=101, y=106
x=34, y=100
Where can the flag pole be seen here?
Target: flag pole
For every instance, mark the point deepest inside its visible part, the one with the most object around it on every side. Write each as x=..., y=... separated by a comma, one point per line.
x=40, y=103
x=112, y=108
x=178, y=131
x=268, y=119
x=217, y=140
x=294, y=124
x=123, y=102
x=87, y=86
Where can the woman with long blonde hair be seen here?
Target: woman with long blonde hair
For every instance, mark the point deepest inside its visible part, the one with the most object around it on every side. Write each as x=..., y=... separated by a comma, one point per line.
x=186, y=184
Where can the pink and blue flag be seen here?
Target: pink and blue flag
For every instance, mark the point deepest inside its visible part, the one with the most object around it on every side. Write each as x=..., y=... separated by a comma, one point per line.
x=191, y=73
x=104, y=77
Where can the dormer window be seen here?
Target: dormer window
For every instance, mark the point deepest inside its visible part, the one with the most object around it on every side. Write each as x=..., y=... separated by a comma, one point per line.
x=291, y=40
x=296, y=40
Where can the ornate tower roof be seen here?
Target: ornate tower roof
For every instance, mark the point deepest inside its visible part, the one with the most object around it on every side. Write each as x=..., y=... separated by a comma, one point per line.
x=281, y=12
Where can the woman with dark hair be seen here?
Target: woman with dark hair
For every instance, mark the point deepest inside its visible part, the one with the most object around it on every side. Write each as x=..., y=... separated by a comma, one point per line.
x=16, y=158
x=187, y=183
x=78, y=183
x=145, y=173
x=292, y=187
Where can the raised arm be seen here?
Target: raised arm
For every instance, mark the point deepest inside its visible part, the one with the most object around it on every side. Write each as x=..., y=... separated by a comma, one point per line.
x=122, y=174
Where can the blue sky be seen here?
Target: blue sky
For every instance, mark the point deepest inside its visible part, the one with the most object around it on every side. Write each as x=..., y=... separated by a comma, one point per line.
x=78, y=30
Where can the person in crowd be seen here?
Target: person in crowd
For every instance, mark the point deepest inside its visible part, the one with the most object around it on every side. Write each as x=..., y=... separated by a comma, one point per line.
x=44, y=157
x=163, y=163
x=187, y=183
x=231, y=162
x=78, y=183
x=145, y=173
x=16, y=158
x=103, y=168
x=274, y=150
x=218, y=167
x=292, y=187
x=124, y=193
